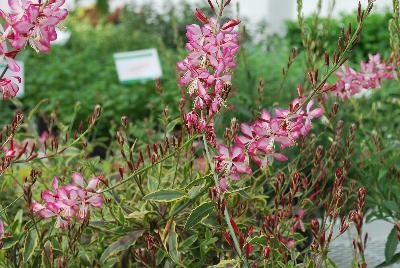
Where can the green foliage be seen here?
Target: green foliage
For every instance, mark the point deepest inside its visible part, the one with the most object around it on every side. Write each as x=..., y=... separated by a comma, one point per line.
x=374, y=38
x=198, y=214
x=391, y=245
x=121, y=244
x=166, y=195
x=167, y=213
x=31, y=242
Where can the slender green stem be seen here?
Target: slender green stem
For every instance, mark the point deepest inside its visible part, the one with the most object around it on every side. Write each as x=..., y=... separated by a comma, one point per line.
x=12, y=203
x=4, y=72
x=345, y=53
x=226, y=212
x=140, y=171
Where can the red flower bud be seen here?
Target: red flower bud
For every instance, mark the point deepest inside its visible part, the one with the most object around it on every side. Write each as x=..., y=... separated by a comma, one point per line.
x=201, y=16
x=227, y=238
x=249, y=250
x=230, y=24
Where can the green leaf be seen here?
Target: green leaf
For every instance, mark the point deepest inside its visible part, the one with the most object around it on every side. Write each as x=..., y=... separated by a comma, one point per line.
x=331, y=263
x=31, y=242
x=110, y=263
x=198, y=214
x=17, y=223
x=121, y=244
x=139, y=214
x=167, y=195
x=226, y=263
x=173, y=243
x=395, y=259
x=260, y=240
x=391, y=206
x=85, y=260
x=188, y=242
x=47, y=254
x=160, y=255
x=9, y=242
x=391, y=245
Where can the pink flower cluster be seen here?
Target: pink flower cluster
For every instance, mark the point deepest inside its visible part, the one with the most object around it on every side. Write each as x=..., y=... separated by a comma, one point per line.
x=29, y=22
x=69, y=201
x=207, y=70
x=351, y=82
x=260, y=140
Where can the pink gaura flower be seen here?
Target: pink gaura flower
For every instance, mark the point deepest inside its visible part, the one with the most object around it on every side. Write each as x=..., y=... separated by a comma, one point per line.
x=259, y=141
x=34, y=23
x=309, y=115
x=207, y=70
x=43, y=137
x=370, y=76
x=8, y=56
x=233, y=160
x=9, y=86
x=69, y=201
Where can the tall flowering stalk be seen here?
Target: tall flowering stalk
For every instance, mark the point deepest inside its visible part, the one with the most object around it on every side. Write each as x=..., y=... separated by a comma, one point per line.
x=207, y=74
x=207, y=70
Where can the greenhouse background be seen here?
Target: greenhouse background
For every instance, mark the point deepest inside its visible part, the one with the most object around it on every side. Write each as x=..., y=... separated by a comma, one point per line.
x=247, y=142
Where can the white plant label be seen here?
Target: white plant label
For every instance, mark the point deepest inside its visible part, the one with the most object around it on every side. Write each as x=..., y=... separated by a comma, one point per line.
x=138, y=66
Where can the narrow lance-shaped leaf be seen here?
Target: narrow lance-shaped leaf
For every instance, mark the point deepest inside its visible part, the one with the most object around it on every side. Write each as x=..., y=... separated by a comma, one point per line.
x=121, y=244
x=167, y=195
x=173, y=243
x=198, y=214
x=391, y=245
x=31, y=242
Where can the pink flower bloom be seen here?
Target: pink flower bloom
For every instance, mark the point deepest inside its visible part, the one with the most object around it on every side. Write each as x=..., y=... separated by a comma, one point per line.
x=200, y=164
x=8, y=56
x=34, y=23
x=69, y=201
x=351, y=82
x=207, y=70
x=259, y=140
x=43, y=137
x=308, y=116
x=233, y=161
x=9, y=86
x=291, y=243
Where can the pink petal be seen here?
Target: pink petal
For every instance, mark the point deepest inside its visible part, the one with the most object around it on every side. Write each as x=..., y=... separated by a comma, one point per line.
x=48, y=196
x=236, y=151
x=12, y=65
x=54, y=183
x=77, y=178
x=46, y=213
x=35, y=206
x=316, y=113
x=280, y=157
x=222, y=149
x=95, y=200
x=246, y=129
x=309, y=105
x=223, y=184
x=93, y=183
